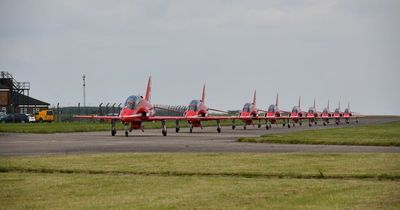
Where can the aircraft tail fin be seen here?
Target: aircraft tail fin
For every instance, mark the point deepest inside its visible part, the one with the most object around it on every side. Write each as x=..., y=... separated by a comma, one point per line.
x=148, y=91
x=254, y=97
x=203, y=95
x=328, y=104
x=348, y=105
x=277, y=100
x=299, y=100
x=339, y=104
x=314, y=103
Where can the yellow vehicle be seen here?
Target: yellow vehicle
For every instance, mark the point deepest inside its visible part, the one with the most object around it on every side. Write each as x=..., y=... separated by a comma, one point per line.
x=45, y=116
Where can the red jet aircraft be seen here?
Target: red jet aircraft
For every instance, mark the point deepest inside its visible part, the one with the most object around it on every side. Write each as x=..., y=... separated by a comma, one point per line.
x=348, y=114
x=296, y=115
x=312, y=115
x=198, y=111
x=326, y=115
x=137, y=110
x=274, y=114
x=248, y=114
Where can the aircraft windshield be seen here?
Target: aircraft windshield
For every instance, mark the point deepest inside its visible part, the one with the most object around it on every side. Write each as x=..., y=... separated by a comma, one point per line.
x=295, y=109
x=346, y=111
x=271, y=108
x=311, y=110
x=132, y=101
x=194, y=105
x=337, y=110
x=325, y=110
x=246, y=107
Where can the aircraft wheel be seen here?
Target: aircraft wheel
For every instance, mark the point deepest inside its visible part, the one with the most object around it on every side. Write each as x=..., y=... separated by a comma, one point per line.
x=324, y=123
x=164, y=132
x=219, y=130
x=357, y=121
x=191, y=130
x=315, y=123
x=309, y=124
x=113, y=132
x=294, y=125
x=288, y=125
x=267, y=127
x=177, y=130
x=244, y=127
x=300, y=124
x=283, y=125
x=259, y=125
x=233, y=127
x=126, y=133
x=270, y=126
x=337, y=123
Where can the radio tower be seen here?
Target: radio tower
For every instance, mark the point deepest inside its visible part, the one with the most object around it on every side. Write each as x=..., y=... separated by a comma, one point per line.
x=84, y=90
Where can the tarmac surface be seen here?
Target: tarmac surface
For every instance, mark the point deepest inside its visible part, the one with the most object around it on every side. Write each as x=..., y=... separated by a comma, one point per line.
x=151, y=140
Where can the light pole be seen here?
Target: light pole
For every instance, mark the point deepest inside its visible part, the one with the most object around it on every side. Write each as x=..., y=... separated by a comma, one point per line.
x=84, y=90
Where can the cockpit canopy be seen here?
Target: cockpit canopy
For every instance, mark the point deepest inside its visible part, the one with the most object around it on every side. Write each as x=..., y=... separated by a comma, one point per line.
x=194, y=105
x=325, y=110
x=272, y=108
x=132, y=101
x=337, y=110
x=246, y=107
x=346, y=111
x=311, y=110
x=295, y=109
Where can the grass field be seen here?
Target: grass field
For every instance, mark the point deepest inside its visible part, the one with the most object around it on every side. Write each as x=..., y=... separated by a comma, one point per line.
x=66, y=127
x=387, y=134
x=201, y=181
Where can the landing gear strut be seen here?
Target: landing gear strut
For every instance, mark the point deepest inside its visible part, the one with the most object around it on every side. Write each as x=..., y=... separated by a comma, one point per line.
x=218, y=126
x=177, y=126
x=233, y=125
x=164, y=128
x=113, y=130
x=126, y=130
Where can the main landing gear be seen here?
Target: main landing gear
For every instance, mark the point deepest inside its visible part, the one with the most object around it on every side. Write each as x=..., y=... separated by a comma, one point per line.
x=177, y=126
x=164, y=128
x=218, y=126
x=113, y=130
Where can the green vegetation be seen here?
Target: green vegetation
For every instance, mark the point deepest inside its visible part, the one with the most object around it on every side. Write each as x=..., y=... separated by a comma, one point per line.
x=66, y=127
x=75, y=191
x=201, y=181
x=230, y=164
x=387, y=134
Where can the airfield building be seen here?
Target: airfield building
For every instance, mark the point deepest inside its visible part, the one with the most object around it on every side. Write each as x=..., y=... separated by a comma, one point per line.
x=14, y=96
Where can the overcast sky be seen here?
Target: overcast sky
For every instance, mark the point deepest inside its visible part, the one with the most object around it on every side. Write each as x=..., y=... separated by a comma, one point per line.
x=339, y=50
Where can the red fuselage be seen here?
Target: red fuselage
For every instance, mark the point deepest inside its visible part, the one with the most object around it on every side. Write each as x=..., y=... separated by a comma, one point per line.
x=196, y=109
x=248, y=112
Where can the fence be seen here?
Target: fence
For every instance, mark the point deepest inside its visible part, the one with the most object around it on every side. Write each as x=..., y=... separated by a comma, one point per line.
x=66, y=113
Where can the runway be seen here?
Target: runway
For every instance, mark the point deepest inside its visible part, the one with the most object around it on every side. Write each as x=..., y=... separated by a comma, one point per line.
x=206, y=140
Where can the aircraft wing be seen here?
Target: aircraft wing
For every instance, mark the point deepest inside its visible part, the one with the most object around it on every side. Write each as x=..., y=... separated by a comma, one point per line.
x=96, y=117
x=209, y=118
x=161, y=118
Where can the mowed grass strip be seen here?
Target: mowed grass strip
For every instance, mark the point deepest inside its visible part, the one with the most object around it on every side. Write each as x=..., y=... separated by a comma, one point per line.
x=77, y=191
x=67, y=127
x=387, y=134
x=291, y=165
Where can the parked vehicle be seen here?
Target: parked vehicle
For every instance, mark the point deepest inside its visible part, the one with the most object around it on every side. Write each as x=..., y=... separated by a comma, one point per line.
x=22, y=118
x=31, y=118
x=45, y=116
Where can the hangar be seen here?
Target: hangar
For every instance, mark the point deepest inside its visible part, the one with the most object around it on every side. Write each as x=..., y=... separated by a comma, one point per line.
x=14, y=96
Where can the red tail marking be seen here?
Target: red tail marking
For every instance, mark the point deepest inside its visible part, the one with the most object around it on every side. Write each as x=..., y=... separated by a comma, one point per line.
x=254, y=97
x=203, y=95
x=148, y=91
